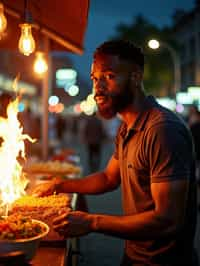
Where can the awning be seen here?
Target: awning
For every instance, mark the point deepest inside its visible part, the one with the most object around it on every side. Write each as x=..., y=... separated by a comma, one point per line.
x=64, y=22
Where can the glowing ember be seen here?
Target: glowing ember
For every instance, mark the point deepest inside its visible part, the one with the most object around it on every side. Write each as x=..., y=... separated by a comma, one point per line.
x=12, y=181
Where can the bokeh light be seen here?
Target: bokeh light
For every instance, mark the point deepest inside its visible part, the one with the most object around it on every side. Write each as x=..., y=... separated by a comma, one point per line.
x=53, y=100
x=73, y=90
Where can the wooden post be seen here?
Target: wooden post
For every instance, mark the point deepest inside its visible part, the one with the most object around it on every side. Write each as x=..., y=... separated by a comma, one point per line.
x=45, y=95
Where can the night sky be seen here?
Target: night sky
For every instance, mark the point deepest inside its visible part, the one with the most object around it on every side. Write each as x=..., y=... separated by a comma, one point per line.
x=104, y=15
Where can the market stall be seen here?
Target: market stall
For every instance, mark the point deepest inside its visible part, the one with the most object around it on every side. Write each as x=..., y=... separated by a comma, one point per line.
x=26, y=221
x=50, y=252
x=60, y=252
x=55, y=28
x=53, y=249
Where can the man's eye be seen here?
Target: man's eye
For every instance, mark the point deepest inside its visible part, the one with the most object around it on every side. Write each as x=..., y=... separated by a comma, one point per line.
x=109, y=76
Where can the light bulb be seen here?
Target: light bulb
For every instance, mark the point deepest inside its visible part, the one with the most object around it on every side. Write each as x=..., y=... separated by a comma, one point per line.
x=154, y=44
x=40, y=64
x=3, y=20
x=26, y=42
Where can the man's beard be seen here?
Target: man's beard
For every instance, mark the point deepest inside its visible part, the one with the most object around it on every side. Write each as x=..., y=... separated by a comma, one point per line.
x=115, y=102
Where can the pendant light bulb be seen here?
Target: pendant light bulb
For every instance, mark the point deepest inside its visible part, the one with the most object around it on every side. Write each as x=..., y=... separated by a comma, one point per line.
x=40, y=64
x=3, y=20
x=26, y=42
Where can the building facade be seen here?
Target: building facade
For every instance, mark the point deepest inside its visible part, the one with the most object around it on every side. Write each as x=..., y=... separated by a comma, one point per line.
x=187, y=34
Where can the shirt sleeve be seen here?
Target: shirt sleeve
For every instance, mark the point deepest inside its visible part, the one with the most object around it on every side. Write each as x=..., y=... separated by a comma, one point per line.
x=169, y=152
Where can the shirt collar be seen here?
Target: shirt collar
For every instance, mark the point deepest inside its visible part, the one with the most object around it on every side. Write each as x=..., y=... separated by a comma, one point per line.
x=142, y=117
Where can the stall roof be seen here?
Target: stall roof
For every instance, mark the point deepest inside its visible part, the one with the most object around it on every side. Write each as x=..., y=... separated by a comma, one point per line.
x=64, y=22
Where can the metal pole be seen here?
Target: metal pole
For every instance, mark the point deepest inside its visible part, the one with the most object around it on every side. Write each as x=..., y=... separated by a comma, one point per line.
x=177, y=67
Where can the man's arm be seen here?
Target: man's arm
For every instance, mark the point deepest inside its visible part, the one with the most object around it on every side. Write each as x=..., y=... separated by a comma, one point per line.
x=96, y=183
x=166, y=218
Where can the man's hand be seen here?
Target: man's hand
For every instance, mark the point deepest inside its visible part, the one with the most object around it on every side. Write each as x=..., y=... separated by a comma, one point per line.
x=46, y=189
x=73, y=224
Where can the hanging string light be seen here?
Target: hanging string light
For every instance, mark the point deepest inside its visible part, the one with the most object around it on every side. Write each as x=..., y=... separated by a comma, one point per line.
x=3, y=20
x=40, y=64
x=26, y=43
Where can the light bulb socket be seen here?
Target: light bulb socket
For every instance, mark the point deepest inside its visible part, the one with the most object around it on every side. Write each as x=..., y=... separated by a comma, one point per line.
x=28, y=18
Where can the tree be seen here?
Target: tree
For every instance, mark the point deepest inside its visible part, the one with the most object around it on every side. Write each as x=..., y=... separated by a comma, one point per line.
x=159, y=67
x=178, y=15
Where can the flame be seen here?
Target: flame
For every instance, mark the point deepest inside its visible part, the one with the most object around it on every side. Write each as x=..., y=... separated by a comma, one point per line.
x=12, y=180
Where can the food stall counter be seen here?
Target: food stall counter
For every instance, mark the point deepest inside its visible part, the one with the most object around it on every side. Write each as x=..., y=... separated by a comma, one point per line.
x=54, y=251
x=52, y=256
x=57, y=253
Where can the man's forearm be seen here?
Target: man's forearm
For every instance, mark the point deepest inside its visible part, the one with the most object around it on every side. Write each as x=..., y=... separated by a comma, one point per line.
x=141, y=226
x=93, y=184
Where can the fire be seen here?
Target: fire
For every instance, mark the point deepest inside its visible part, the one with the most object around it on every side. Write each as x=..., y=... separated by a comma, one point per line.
x=12, y=180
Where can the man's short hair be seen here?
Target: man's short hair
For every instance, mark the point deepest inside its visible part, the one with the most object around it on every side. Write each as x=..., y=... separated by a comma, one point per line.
x=125, y=49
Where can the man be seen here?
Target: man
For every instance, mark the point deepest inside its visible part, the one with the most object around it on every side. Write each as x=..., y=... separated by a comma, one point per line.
x=153, y=162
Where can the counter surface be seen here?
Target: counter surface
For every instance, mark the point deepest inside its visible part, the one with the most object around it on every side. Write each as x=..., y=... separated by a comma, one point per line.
x=47, y=256
x=55, y=253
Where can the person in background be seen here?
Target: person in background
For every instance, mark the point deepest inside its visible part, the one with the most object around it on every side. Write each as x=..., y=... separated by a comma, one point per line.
x=153, y=162
x=60, y=126
x=31, y=127
x=193, y=115
x=194, y=123
x=5, y=99
x=93, y=136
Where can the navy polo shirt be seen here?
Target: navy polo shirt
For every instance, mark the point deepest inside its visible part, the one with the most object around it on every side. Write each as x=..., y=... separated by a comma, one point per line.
x=157, y=148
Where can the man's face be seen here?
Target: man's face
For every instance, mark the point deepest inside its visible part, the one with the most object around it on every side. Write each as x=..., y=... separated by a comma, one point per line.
x=112, y=84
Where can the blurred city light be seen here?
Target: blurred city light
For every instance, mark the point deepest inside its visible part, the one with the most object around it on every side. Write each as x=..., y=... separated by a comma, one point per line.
x=83, y=105
x=66, y=73
x=58, y=108
x=90, y=99
x=194, y=92
x=73, y=90
x=65, y=78
x=179, y=108
x=21, y=107
x=24, y=87
x=153, y=44
x=88, y=106
x=77, y=108
x=53, y=100
x=184, y=98
x=167, y=102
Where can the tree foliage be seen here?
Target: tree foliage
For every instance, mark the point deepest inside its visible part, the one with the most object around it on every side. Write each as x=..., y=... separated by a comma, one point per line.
x=159, y=66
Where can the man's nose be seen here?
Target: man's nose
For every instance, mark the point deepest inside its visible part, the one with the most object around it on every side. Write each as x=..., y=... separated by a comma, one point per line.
x=100, y=85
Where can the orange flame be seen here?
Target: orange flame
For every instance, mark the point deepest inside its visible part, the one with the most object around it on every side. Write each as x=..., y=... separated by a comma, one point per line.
x=12, y=180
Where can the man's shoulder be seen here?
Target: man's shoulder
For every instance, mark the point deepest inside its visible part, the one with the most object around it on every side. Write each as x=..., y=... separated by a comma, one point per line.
x=160, y=115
